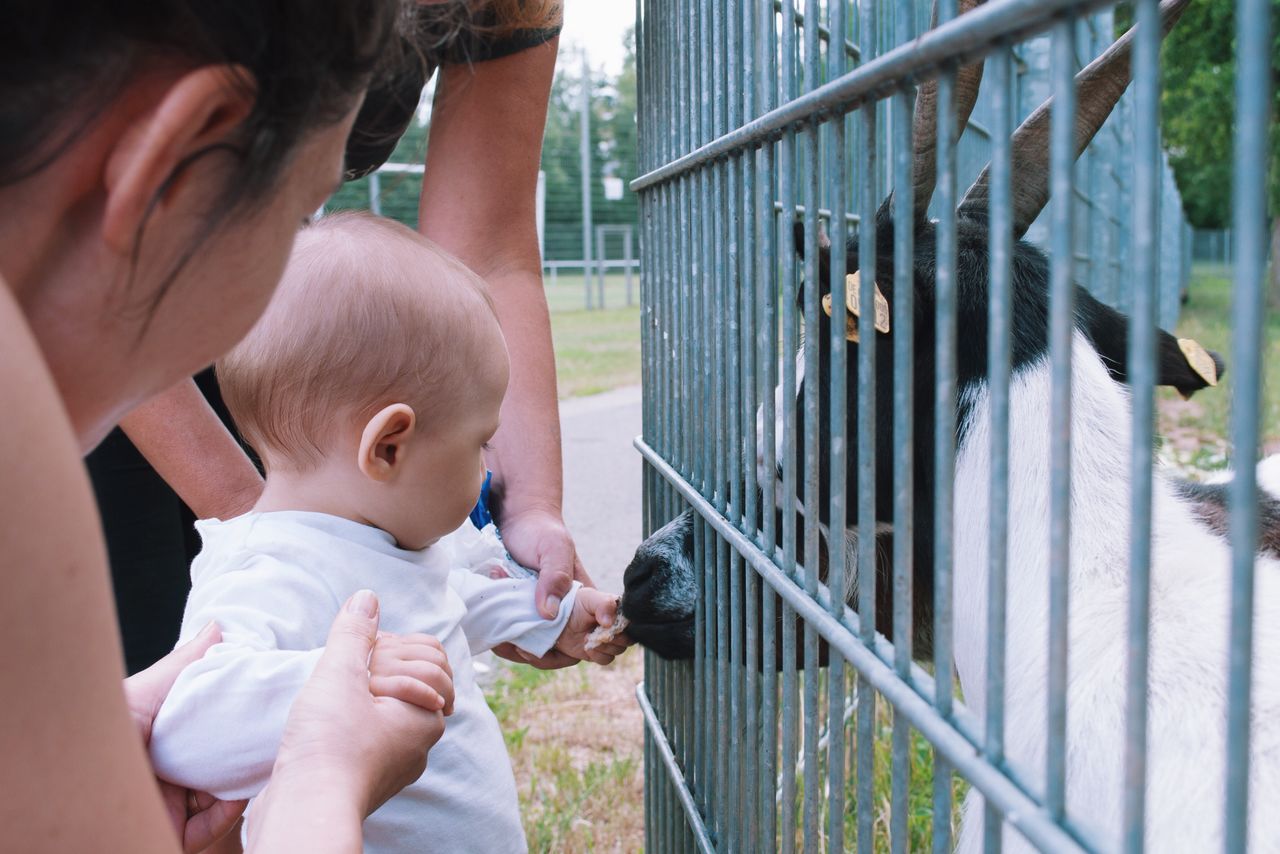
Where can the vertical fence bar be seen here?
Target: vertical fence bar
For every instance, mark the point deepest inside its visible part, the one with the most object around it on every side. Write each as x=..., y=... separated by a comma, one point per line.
x=653, y=380
x=702, y=309
x=752, y=275
x=786, y=195
x=867, y=405
x=685, y=305
x=903, y=308
x=767, y=356
x=836, y=180
x=735, y=388
x=813, y=382
x=1061, y=327
x=1146, y=206
x=717, y=314
x=1253, y=121
x=999, y=350
x=670, y=76
x=944, y=433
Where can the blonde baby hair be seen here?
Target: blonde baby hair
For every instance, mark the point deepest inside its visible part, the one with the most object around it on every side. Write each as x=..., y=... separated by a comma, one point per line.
x=368, y=313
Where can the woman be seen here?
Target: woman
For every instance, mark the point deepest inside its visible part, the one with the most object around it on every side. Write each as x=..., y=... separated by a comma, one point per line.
x=495, y=59
x=155, y=159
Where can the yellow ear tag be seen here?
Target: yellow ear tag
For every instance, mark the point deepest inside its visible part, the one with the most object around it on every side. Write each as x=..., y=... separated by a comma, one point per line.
x=850, y=321
x=1199, y=360
x=853, y=285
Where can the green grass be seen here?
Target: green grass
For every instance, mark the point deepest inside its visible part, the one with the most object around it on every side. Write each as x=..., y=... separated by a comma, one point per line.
x=565, y=292
x=596, y=350
x=575, y=740
x=1196, y=433
x=920, y=813
x=920, y=816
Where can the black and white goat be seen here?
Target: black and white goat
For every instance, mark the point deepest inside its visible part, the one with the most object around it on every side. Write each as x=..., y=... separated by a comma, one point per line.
x=1190, y=590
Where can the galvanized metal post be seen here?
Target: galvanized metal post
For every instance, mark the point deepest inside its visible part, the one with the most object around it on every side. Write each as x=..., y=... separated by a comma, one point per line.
x=743, y=115
x=1253, y=122
x=584, y=154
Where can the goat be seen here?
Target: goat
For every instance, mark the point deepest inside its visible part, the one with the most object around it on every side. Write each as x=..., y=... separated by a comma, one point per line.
x=1190, y=555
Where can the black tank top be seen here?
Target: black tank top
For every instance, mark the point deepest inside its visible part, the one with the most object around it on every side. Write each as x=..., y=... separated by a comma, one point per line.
x=390, y=103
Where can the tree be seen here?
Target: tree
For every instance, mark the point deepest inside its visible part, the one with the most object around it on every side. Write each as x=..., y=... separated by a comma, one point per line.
x=1197, y=117
x=612, y=152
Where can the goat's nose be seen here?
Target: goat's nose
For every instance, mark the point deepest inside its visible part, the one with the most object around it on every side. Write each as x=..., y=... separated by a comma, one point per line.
x=638, y=572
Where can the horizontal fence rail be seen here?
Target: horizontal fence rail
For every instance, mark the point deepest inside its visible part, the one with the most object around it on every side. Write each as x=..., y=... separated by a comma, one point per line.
x=872, y=407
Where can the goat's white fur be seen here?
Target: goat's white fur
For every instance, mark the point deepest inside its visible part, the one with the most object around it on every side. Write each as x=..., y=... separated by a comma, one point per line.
x=1190, y=602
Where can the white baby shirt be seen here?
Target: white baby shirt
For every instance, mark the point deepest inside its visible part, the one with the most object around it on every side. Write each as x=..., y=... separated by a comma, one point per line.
x=274, y=582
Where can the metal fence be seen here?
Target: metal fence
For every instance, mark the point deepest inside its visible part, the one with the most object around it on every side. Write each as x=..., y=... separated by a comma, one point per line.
x=797, y=724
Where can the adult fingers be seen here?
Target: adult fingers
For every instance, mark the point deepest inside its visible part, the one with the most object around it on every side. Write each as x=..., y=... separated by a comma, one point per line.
x=599, y=656
x=555, y=574
x=612, y=648
x=147, y=689
x=352, y=635
x=213, y=820
x=580, y=572
x=554, y=659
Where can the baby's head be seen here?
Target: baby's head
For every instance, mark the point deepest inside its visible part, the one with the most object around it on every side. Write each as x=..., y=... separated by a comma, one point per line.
x=375, y=376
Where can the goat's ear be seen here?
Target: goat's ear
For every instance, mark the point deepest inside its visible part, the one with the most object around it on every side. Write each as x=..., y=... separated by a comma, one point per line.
x=1180, y=363
x=1185, y=365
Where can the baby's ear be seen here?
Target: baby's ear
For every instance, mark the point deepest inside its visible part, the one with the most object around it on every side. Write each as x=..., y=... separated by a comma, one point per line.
x=384, y=441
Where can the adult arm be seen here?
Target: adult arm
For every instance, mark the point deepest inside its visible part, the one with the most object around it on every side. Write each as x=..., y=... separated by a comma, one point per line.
x=478, y=201
x=185, y=441
x=75, y=776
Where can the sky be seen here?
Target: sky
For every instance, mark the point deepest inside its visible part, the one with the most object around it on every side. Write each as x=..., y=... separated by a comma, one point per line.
x=598, y=26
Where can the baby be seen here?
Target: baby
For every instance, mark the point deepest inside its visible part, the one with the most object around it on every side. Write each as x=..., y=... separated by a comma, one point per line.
x=369, y=388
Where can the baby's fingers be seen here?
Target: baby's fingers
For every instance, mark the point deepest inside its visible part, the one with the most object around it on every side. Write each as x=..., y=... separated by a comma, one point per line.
x=394, y=649
x=429, y=673
x=407, y=689
x=605, y=610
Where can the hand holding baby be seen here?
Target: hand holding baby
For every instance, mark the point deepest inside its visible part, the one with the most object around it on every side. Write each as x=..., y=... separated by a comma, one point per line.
x=380, y=740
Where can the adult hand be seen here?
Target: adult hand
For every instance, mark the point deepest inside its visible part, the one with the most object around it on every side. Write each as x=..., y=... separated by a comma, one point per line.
x=371, y=739
x=553, y=660
x=539, y=539
x=199, y=818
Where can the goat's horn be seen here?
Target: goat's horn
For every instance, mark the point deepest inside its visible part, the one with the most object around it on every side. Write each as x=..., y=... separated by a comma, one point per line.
x=1098, y=88
x=924, y=128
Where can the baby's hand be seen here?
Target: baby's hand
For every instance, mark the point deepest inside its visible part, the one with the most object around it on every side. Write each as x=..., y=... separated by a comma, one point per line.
x=413, y=669
x=591, y=609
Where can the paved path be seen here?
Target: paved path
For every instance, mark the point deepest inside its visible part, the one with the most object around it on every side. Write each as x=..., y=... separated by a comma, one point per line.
x=602, y=480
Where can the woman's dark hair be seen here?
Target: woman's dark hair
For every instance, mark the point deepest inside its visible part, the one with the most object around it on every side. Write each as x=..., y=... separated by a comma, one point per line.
x=305, y=62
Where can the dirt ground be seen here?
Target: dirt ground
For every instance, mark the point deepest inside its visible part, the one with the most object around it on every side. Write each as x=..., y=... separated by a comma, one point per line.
x=576, y=741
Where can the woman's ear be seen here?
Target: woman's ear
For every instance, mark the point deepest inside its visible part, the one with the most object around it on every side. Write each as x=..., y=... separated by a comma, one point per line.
x=383, y=444
x=199, y=112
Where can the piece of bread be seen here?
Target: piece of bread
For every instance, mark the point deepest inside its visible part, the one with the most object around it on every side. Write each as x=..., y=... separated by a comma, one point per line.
x=604, y=634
